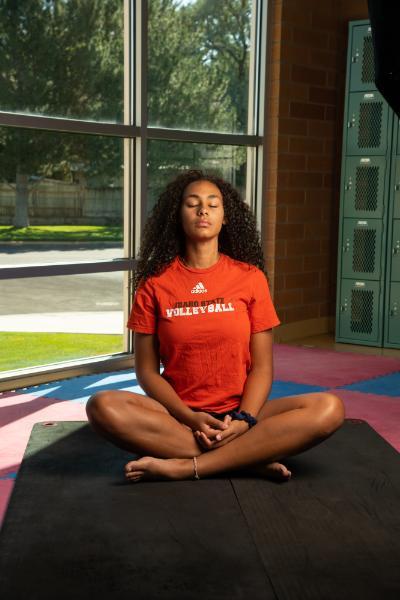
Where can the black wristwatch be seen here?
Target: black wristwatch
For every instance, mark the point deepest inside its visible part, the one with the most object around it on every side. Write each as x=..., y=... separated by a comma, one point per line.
x=241, y=415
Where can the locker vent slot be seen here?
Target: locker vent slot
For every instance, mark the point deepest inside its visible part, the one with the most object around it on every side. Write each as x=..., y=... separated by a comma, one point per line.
x=367, y=180
x=364, y=241
x=368, y=68
x=361, y=311
x=369, y=132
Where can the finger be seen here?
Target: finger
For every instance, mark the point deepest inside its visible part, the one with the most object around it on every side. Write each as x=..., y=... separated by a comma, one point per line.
x=197, y=435
x=227, y=420
x=224, y=441
x=215, y=434
x=200, y=441
x=205, y=440
x=216, y=423
x=213, y=431
x=201, y=436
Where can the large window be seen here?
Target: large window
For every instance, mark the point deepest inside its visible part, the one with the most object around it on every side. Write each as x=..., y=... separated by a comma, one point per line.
x=101, y=104
x=198, y=67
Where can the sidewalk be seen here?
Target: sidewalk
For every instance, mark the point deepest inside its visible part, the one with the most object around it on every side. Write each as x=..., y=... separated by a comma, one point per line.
x=109, y=322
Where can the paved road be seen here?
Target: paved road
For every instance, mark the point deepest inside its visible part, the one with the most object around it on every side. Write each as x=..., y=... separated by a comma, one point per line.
x=49, y=252
x=92, y=293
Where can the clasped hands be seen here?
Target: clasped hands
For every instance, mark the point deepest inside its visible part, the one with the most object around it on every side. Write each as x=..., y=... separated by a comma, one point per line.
x=211, y=433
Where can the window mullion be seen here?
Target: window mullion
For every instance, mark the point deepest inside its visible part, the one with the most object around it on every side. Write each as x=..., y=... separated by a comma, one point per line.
x=129, y=154
x=259, y=111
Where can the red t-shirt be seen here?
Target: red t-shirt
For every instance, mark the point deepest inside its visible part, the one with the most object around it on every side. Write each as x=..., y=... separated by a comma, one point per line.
x=203, y=319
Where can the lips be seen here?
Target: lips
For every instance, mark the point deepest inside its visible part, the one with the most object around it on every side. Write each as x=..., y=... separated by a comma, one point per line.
x=203, y=223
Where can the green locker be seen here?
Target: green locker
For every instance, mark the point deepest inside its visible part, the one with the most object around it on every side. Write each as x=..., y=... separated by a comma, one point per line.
x=364, y=202
x=364, y=186
x=396, y=188
x=392, y=289
x=367, y=124
x=362, y=250
x=362, y=68
x=396, y=125
x=394, y=315
x=395, y=250
x=359, y=310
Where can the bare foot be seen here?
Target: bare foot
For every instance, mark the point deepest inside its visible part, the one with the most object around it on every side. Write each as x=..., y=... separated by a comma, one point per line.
x=150, y=468
x=159, y=468
x=275, y=470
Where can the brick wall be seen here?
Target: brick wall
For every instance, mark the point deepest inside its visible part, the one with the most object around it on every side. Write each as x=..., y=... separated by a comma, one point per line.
x=307, y=46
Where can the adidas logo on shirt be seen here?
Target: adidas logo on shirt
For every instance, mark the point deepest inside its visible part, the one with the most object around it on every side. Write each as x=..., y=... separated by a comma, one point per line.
x=199, y=289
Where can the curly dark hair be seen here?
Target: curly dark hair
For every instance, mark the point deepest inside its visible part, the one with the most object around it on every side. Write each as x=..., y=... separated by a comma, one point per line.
x=163, y=236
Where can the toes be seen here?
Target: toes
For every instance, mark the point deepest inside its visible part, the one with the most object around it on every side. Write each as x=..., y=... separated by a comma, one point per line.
x=284, y=471
x=278, y=471
x=134, y=476
x=134, y=465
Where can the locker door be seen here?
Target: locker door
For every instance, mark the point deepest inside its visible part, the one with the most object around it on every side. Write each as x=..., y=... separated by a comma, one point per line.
x=395, y=271
x=359, y=310
x=362, y=68
x=397, y=128
x=394, y=314
x=361, y=248
x=367, y=123
x=396, y=185
x=364, y=187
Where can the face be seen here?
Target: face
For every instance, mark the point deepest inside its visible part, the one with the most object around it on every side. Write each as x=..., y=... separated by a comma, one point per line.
x=202, y=210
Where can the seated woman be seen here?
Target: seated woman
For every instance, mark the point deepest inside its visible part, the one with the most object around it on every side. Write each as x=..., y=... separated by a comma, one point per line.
x=202, y=305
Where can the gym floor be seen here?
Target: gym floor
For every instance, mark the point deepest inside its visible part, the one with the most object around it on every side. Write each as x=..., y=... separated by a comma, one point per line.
x=327, y=341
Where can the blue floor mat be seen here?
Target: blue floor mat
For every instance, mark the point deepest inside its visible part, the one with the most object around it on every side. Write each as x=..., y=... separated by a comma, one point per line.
x=280, y=389
x=388, y=385
x=79, y=389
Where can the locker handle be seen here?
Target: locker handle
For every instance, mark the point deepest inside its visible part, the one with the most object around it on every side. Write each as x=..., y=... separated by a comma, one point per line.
x=396, y=249
x=397, y=187
x=355, y=58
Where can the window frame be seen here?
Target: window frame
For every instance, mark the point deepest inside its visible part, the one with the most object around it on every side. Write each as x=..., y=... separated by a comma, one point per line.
x=136, y=132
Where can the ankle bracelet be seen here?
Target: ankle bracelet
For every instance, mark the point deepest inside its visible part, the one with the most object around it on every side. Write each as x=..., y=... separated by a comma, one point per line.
x=196, y=475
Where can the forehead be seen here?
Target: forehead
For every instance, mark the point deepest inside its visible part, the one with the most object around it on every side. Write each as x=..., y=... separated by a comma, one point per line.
x=202, y=188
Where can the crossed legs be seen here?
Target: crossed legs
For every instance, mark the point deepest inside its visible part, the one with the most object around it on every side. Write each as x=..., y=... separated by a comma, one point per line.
x=286, y=426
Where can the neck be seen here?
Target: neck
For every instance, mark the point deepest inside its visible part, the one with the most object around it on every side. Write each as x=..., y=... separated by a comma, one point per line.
x=200, y=258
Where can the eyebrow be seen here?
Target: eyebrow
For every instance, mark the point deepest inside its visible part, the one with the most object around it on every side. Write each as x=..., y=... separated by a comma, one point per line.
x=198, y=197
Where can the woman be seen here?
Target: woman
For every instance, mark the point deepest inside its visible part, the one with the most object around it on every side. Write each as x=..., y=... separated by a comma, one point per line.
x=202, y=306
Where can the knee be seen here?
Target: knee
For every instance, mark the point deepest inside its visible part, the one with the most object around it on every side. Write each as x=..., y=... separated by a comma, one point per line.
x=98, y=405
x=332, y=413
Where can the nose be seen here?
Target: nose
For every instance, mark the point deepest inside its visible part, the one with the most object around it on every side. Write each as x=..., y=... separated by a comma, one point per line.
x=202, y=210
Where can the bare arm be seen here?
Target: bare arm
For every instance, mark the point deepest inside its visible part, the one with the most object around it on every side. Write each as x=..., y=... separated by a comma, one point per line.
x=256, y=388
x=147, y=367
x=259, y=380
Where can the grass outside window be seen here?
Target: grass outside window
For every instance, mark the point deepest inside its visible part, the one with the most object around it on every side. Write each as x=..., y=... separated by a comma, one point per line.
x=61, y=233
x=22, y=350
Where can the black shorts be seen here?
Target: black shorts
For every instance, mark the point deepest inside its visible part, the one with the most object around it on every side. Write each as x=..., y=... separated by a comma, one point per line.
x=219, y=416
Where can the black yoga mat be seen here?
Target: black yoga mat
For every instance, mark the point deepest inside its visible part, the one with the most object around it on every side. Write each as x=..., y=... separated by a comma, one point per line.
x=75, y=529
